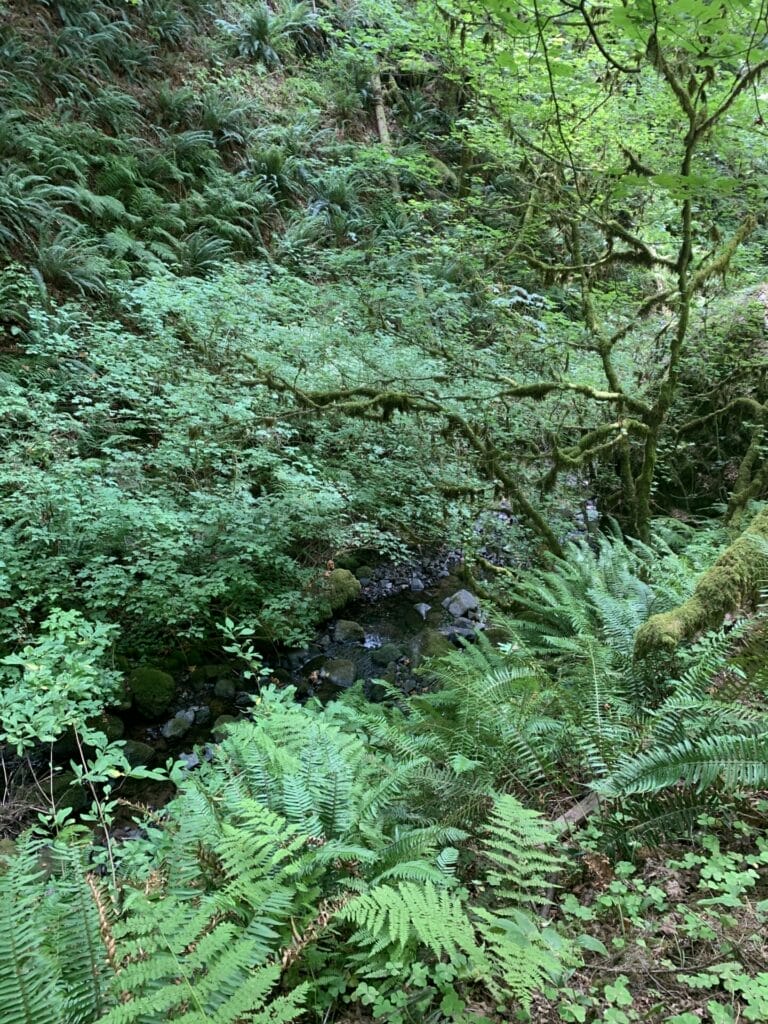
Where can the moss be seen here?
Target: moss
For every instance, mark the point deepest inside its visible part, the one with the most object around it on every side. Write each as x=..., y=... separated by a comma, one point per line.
x=152, y=690
x=138, y=753
x=341, y=587
x=66, y=793
x=429, y=643
x=112, y=726
x=7, y=851
x=221, y=726
x=733, y=582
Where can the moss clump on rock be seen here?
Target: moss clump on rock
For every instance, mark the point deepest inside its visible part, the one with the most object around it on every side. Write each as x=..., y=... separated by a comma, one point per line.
x=733, y=582
x=152, y=690
x=66, y=792
x=429, y=643
x=112, y=726
x=138, y=753
x=340, y=587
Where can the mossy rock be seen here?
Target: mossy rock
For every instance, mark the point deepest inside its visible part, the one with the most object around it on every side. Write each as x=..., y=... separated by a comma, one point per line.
x=340, y=671
x=65, y=794
x=352, y=560
x=138, y=753
x=387, y=653
x=112, y=726
x=222, y=725
x=152, y=690
x=340, y=588
x=349, y=561
x=429, y=643
x=346, y=631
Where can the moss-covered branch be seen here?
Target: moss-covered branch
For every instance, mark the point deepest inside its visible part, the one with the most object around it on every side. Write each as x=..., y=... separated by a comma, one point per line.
x=733, y=582
x=750, y=404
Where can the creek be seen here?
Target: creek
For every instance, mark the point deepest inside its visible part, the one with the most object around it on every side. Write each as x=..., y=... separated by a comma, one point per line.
x=401, y=618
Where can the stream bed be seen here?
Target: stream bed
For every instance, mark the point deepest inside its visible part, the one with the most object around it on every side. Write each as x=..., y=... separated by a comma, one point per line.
x=403, y=616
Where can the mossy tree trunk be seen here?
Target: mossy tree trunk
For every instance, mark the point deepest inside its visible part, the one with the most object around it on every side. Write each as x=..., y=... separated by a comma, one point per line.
x=732, y=583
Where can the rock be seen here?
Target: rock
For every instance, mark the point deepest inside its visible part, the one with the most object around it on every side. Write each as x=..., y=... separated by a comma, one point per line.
x=297, y=657
x=387, y=653
x=314, y=665
x=430, y=643
x=416, y=584
x=422, y=608
x=152, y=690
x=221, y=726
x=202, y=715
x=112, y=726
x=466, y=633
x=190, y=760
x=67, y=792
x=339, y=671
x=465, y=624
x=225, y=689
x=137, y=753
x=347, y=631
x=374, y=691
x=341, y=587
x=460, y=603
x=179, y=725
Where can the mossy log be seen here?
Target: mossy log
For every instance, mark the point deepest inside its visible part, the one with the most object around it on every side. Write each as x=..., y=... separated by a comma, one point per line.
x=733, y=582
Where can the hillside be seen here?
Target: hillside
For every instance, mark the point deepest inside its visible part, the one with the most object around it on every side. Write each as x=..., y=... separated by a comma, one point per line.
x=382, y=524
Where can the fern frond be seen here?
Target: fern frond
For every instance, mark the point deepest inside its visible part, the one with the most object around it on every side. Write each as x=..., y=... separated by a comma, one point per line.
x=411, y=913
x=735, y=761
x=522, y=957
x=517, y=843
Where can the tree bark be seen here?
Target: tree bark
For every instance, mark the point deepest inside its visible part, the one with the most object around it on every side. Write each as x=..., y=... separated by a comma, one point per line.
x=732, y=583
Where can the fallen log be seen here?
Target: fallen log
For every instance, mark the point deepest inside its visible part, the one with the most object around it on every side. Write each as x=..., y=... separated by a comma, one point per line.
x=732, y=583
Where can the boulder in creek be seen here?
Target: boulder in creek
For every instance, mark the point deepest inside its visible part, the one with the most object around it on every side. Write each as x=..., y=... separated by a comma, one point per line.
x=152, y=690
x=346, y=631
x=387, y=653
x=429, y=643
x=179, y=725
x=340, y=588
x=339, y=671
x=138, y=753
x=112, y=726
x=460, y=603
